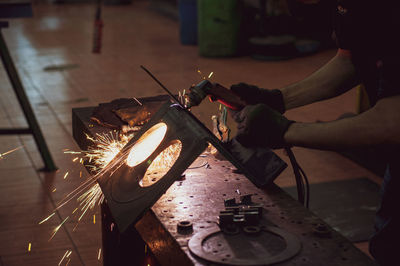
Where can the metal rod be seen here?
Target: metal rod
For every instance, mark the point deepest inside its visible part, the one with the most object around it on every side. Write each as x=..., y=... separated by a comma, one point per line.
x=15, y=131
x=162, y=86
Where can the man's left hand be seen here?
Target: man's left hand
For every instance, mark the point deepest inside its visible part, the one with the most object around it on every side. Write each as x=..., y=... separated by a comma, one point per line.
x=259, y=125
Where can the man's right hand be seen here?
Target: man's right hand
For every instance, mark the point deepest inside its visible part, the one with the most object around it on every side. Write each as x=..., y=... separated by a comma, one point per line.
x=254, y=95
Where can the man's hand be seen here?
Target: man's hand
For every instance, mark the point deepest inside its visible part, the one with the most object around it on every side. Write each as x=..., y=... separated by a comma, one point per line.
x=255, y=95
x=259, y=125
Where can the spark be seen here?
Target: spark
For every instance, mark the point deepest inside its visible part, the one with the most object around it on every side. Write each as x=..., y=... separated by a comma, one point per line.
x=106, y=147
x=8, y=152
x=210, y=75
x=72, y=152
x=80, y=174
x=58, y=228
x=66, y=174
x=29, y=247
x=75, y=159
x=101, y=154
x=54, y=190
x=99, y=254
x=94, y=218
x=47, y=218
x=65, y=254
x=137, y=101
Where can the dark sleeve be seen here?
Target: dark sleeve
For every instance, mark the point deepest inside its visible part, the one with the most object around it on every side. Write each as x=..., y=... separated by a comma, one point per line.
x=390, y=73
x=352, y=22
x=390, y=49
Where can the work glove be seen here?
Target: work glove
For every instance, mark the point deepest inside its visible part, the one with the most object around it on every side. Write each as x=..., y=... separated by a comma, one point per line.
x=253, y=95
x=261, y=126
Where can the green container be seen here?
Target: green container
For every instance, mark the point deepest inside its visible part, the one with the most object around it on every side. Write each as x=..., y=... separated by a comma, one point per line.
x=218, y=27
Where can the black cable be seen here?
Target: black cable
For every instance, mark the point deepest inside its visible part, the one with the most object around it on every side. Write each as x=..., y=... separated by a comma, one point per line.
x=297, y=175
x=307, y=186
x=303, y=186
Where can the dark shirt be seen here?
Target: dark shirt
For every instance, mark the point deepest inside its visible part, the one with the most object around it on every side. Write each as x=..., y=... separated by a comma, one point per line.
x=369, y=30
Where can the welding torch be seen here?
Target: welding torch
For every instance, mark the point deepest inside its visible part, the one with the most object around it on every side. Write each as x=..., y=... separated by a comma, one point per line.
x=217, y=92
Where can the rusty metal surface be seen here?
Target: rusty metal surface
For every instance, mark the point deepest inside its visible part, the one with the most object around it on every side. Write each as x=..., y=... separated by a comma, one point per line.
x=199, y=198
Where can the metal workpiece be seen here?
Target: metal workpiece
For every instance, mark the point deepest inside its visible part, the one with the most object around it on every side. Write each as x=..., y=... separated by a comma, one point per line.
x=121, y=182
x=264, y=247
x=184, y=227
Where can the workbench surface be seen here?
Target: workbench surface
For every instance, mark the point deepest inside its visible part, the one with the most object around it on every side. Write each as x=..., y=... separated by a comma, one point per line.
x=199, y=197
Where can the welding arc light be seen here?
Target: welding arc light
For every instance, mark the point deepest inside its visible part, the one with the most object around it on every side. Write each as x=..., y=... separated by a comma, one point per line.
x=147, y=144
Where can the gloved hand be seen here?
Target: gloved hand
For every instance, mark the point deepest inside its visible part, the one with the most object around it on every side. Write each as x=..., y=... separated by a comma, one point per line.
x=259, y=125
x=253, y=95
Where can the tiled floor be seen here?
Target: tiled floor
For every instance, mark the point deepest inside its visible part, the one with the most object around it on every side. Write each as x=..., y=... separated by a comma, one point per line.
x=133, y=36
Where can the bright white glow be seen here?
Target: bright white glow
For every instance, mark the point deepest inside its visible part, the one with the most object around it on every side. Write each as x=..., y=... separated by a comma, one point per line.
x=147, y=144
x=161, y=164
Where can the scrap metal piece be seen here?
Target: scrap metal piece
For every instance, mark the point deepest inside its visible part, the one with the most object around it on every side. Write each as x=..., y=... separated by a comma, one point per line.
x=251, y=216
x=239, y=219
x=225, y=218
x=184, y=227
x=322, y=230
x=246, y=199
x=231, y=229
x=230, y=202
x=274, y=245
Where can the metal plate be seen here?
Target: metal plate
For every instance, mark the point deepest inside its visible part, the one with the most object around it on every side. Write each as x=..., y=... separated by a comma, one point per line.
x=270, y=246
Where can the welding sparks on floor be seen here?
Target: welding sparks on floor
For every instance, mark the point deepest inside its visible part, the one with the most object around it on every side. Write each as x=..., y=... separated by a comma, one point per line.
x=2, y=155
x=66, y=256
x=55, y=230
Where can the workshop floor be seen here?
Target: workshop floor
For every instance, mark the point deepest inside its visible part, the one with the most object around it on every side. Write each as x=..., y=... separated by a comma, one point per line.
x=133, y=35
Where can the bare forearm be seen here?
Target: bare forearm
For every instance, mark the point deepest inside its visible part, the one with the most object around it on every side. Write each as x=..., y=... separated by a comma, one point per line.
x=333, y=79
x=377, y=127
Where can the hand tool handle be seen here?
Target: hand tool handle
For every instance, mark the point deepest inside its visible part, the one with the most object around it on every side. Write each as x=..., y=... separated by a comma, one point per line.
x=226, y=97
